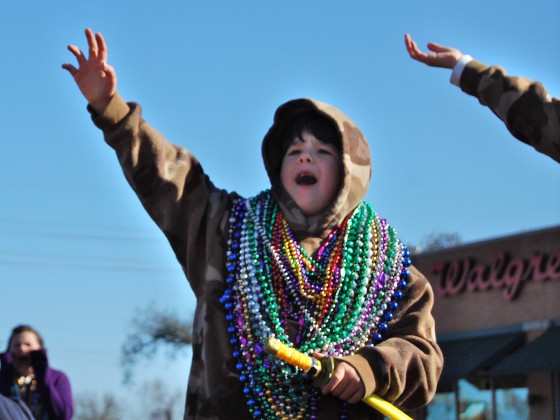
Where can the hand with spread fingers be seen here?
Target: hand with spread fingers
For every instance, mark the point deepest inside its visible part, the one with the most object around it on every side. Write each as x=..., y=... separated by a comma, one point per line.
x=96, y=79
x=441, y=56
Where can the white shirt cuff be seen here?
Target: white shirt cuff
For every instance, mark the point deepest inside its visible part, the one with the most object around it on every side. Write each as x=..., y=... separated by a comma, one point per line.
x=458, y=69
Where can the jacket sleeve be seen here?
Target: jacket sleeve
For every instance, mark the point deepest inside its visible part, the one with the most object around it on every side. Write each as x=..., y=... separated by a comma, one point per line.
x=57, y=394
x=405, y=367
x=54, y=386
x=6, y=373
x=525, y=106
x=169, y=181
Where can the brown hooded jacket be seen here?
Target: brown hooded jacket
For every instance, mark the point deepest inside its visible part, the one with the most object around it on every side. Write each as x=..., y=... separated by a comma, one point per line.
x=193, y=214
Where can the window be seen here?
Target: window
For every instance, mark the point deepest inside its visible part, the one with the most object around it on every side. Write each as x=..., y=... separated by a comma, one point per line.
x=480, y=404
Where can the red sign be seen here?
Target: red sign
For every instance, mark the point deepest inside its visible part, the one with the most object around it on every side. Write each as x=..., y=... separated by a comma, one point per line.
x=506, y=273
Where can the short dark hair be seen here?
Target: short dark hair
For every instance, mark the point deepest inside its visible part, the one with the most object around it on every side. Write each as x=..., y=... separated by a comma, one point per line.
x=321, y=127
x=25, y=328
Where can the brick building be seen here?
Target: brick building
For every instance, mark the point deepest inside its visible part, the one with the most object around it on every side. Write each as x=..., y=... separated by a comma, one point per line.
x=497, y=310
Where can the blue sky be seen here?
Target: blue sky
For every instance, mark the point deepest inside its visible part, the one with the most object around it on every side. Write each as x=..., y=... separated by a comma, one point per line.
x=79, y=254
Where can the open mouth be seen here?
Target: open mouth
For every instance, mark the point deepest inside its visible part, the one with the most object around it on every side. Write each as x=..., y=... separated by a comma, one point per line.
x=306, y=179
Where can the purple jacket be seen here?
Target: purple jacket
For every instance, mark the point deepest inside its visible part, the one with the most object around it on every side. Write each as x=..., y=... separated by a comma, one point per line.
x=54, y=386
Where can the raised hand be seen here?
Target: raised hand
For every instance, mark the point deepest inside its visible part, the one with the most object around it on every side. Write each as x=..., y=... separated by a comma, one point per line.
x=96, y=79
x=444, y=57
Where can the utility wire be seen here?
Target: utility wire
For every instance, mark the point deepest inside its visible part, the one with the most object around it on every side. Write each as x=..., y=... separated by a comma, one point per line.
x=54, y=265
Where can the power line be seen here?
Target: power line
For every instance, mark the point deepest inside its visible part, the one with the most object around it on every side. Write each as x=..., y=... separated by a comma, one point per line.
x=86, y=236
x=76, y=230
x=57, y=223
x=54, y=265
x=53, y=261
x=10, y=254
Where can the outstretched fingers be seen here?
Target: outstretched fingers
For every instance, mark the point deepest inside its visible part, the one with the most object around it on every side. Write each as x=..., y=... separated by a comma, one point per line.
x=439, y=55
x=70, y=68
x=92, y=43
x=97, y=46
x=76, y=52
x=412, y=48
x=432, y=46
x=97, y=54
x=101, y=47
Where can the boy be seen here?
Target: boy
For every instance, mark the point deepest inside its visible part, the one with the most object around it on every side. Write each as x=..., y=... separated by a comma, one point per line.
x=306, y=262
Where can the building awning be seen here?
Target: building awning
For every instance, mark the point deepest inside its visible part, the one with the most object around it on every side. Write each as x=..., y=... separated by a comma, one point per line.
x=464, y=358
x=543, y=353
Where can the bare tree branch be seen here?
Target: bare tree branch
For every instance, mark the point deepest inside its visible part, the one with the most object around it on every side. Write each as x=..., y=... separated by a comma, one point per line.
x=89, y=408
x=150, y=330
x=436, y=241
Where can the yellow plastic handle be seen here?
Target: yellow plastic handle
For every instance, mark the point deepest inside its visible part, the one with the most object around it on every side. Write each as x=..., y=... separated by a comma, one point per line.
x=290, y=355
x=385, y=408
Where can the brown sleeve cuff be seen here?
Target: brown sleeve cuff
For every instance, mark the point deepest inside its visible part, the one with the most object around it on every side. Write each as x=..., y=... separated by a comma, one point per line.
x=115, y=112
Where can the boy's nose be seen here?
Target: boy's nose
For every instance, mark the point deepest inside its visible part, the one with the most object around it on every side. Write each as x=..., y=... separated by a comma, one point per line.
x=305, y=157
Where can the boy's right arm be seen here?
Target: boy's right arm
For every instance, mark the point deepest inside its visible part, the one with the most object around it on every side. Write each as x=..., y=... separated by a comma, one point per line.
x=167, y=178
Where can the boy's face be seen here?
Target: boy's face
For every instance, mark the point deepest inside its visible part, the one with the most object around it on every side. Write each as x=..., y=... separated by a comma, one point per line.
x=311, y=173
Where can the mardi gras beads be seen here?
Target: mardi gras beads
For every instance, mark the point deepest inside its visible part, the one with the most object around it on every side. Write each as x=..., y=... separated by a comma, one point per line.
x=341, y=299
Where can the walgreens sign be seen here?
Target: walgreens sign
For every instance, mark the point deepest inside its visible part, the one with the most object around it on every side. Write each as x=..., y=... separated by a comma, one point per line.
x=503, y=273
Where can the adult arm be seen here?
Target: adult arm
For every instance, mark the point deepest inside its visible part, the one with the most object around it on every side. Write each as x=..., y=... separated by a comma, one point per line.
x=524, y=105
x=528, y=111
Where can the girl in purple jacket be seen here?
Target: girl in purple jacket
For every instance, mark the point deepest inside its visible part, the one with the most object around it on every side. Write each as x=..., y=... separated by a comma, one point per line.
x=27, y=382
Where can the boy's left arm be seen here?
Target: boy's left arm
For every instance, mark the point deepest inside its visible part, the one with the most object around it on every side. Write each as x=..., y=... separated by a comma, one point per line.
x=405, y=367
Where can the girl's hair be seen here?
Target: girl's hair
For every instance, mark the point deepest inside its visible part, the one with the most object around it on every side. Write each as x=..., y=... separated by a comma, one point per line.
x=322, y=127
x=25, y=328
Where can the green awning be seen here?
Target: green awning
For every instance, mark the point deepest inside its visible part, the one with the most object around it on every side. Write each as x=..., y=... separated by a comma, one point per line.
x=466, y=357
x=541, y=354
